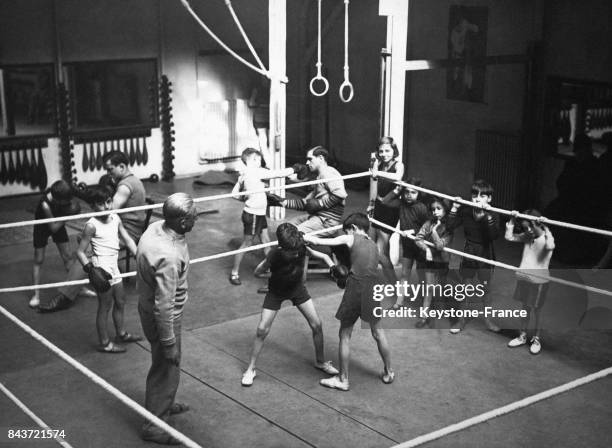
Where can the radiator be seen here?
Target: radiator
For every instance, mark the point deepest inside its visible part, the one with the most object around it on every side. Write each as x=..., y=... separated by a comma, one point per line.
x=228, y=129
x=497, y=162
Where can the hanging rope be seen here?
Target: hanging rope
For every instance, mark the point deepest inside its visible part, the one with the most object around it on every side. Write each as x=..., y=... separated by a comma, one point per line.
x=319, y=76
x=244, y=36
x=346, y=84
x=261, y=70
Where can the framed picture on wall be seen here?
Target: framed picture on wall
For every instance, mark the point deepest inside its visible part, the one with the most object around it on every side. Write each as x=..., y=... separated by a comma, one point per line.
x=575, y=107
x=27, y=100
x=467, y=44
x=112, y=93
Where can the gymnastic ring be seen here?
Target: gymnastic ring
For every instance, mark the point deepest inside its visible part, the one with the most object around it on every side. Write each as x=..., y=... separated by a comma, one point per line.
x=343, y=86
x=325, y=83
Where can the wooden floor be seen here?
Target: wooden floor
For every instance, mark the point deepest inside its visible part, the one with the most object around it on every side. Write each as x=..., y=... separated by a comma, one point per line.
x=441, y=379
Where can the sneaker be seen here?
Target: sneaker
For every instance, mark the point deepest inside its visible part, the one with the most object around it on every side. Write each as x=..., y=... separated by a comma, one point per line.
x=328, y=368
x=234, y=279
x=248, y=377
x=457, y=326
x=387, y=377
x=57, y=303
x=335, y=383
x=263, y=290
x=518, y=341
x=535, y=346
x=34, y=302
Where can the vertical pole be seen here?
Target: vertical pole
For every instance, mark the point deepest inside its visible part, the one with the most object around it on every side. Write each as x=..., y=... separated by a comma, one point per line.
x=58, y=45
x=160, y=40
x=277, y=50
x=395, y=82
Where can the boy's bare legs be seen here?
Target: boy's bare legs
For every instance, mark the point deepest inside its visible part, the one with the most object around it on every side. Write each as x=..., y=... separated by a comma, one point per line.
x=314, y=321
x=66, y=254
x=263, y=329
x=105, y=302
x=39, y=258
x=340, y=381
x=310, y=313
x=265, y=238
x=118, y=308
x=382, y=241
x=344, y=351
x=383, y=348
x=407, y=264
x=246, y=242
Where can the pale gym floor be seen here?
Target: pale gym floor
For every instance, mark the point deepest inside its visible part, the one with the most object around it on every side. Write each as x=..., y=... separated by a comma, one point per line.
x=441, y=378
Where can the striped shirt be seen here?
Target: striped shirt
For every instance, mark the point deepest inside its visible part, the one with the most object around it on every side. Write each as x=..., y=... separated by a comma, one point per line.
x=162, y=265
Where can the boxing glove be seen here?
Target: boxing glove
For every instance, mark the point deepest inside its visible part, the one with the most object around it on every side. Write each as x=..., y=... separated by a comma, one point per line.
x=274, y=200
x=98, y=277
x=312, y=206
x=340, y=274
x=301, y=170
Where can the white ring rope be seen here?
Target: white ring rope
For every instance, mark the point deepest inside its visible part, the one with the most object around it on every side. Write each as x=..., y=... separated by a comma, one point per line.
x=502, y=265
x=227, y=195
x=346, y=84
x=244, y=36
x=160, y=205
x=263, y=71
x=33, y=416
x=101, y=382
x=514, y=213
x=505, y=409
x=133, y=273
x=319, y=76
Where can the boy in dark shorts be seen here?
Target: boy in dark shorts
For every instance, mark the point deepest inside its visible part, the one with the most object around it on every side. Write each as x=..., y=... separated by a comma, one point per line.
x=357, y=301
x=287, y=264
x=55, y=202
x=481, y=228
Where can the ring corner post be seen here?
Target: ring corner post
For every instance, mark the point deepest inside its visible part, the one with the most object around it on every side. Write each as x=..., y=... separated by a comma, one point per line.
x=277, y=49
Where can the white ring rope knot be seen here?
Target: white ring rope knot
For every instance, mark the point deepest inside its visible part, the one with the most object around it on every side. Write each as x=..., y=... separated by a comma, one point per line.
x=529, y=272
x=319, y=76
x=196, y=200
x=513, y=213
x=133, y=273
x=33, y=416
x=346, y=84
x=505, y=409
x=101, y=382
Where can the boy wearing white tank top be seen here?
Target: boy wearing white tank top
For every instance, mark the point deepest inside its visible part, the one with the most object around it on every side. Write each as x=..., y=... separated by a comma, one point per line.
x=103, y=233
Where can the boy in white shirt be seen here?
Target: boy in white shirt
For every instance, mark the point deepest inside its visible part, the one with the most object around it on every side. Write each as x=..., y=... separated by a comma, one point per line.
x=255, y=205
x=531, y=290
